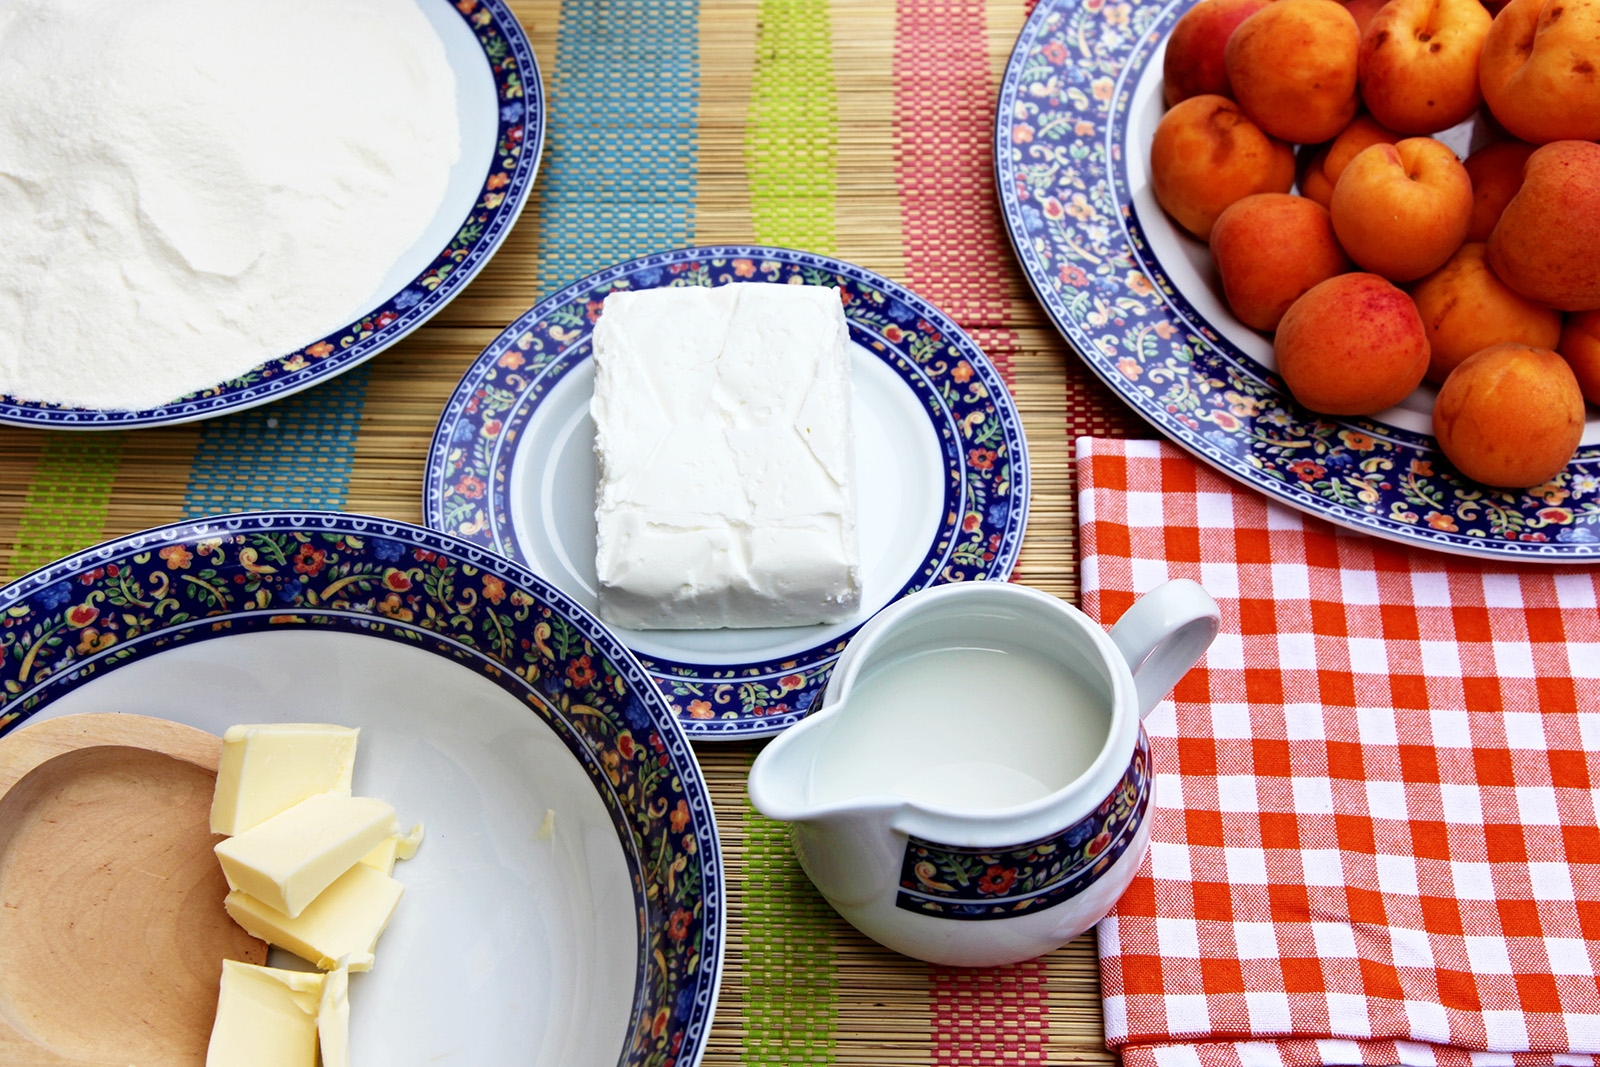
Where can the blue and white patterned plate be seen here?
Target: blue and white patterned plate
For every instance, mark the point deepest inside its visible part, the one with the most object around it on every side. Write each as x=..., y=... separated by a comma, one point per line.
x=485, y=698
x=1079, y=104
x=501, y=108
x=942, y=470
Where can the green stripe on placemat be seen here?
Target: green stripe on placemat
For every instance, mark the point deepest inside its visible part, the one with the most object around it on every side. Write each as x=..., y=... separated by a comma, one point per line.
x=791, y=141
x=296, y=453
x=791, y=144
x=791, y=1007
x=68, y=498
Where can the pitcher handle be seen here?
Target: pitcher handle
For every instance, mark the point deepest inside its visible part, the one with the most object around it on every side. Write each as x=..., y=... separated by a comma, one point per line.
x=1164, y=634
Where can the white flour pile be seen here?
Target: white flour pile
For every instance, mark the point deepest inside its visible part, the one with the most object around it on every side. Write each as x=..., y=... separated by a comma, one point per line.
x=190, y=189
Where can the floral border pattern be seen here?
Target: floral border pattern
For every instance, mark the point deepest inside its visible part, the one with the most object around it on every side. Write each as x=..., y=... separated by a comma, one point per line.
x=970, y=883
x=467, y=487
x=520, y=141
x=64, y=625
x=1061, y=167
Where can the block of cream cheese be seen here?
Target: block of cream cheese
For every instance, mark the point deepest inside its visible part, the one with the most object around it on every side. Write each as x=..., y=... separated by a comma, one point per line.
x=269, y=768
x=266, y=1017
x=287, y=860
x=727, y=489
x=342, y=923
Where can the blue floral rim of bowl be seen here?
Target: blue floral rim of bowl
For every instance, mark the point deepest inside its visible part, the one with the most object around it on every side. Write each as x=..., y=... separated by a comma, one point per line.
x=1061, y=165
x=74, y=620
x=984, y=452
x=515, y=163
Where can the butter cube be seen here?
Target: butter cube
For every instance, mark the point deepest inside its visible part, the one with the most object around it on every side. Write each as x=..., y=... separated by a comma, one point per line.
x=398, y=847
x=381, y=859
x=287, y=860
x=344, y=921
x=266, y=1017
x=270, y=768
x=333, y=1018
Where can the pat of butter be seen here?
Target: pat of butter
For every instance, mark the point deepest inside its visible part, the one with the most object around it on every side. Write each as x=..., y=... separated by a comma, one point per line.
x=727, y=489
x=333, y=1018
x=266, y=1017
x=270, y=768
x=400, y=846
x=381, y=859
x=287, y=860
x=344, y=921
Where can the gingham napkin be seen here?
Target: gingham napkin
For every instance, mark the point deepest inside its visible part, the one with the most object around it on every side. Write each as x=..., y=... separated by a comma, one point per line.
x=1375, y=829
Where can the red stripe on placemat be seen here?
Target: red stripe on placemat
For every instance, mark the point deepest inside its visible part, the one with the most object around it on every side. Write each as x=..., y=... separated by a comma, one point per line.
x=990, y=1016
x=957, y=257
x=955, y=247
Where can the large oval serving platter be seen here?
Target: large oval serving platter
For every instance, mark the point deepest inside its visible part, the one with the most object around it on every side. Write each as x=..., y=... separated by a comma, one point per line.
x=1137, y=298
x=485, y=699
x=941, y=466
x=501, y=110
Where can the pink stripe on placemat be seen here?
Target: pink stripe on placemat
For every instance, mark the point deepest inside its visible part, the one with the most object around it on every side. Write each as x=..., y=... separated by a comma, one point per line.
x=994, y=1015
x=955, y=247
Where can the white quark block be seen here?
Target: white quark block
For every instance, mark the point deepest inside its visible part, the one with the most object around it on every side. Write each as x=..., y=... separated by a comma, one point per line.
x=727, y=463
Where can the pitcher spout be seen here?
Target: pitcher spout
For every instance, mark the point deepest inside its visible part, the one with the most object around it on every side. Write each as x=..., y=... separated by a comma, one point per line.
x=847, y=848
x=779, y=783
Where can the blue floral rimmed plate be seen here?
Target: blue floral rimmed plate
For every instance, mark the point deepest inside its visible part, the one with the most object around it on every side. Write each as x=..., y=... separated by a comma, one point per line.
x=942, y=469
x=502, y=114
x=1078, y=106
x=485, y=698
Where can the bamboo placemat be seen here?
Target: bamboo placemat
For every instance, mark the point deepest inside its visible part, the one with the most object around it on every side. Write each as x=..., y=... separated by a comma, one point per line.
x=857, y=128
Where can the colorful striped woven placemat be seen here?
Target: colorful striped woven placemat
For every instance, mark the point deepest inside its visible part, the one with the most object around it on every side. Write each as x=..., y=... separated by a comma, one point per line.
x=857, y=128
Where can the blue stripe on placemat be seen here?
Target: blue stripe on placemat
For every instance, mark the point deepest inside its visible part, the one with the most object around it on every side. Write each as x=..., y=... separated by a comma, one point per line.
x=296, y=453
x=619, y=175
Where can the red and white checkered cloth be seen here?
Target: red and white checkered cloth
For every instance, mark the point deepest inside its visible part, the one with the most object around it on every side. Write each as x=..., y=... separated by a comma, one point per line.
x=1375, y=829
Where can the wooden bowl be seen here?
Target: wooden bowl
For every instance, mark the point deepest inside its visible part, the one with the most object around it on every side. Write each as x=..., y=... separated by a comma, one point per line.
x=112, y=932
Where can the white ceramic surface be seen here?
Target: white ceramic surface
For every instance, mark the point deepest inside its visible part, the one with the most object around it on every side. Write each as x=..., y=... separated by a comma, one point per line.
x=859, y=851
x=506, y=948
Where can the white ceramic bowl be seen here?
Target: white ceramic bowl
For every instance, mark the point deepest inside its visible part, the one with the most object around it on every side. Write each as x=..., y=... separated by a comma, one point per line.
x=485, y=699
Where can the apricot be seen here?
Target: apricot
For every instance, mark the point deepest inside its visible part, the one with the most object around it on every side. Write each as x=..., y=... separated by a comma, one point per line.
x=1580, y=347
x=1544, y=245
x=1314, y=183
x=1292, y=66
x=1401, y=210
x=1465, y=308
x=1352, y=345
x=1194, y=65
x=1540, y=70
x=1363, y=10
x=1510, y=416
x=1363, y=132
x=1206, y=154
x=1270, y=248
x=1496, y=173
x=1419, y=63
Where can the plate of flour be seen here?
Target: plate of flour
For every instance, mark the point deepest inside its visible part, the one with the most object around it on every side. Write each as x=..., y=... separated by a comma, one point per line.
x=940, y=471
x=205, y=209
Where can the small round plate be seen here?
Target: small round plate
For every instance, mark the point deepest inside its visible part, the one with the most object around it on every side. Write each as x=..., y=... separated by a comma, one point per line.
x=941, y=465
x=501, y=110
x=485, y=699
x=1137, y=298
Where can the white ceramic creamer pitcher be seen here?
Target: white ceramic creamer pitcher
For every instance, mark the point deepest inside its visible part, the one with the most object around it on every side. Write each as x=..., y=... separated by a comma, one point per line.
x=976, y=788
